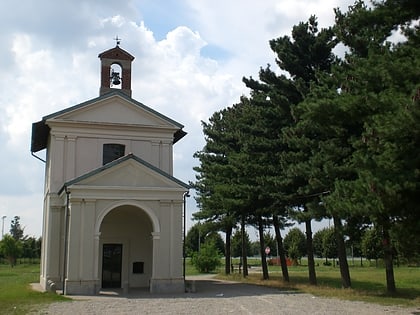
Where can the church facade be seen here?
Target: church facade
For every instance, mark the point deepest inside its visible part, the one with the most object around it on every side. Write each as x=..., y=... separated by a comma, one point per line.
x=113, y=212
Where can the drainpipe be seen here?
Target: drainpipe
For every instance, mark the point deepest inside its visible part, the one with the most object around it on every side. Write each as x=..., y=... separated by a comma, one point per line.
x=186, y=194
x=66, y=237
x=37, y=157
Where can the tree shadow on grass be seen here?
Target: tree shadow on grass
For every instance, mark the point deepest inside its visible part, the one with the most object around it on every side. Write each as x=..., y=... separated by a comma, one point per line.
x=331, y=286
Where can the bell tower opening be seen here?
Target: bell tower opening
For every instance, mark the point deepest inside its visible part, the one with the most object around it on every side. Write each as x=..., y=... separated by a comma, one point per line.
x=115, y=70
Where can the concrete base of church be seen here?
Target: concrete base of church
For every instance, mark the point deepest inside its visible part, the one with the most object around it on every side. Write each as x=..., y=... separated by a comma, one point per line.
x=82, y=287
x=167, y=286
x=93, y=287
x=43, y=283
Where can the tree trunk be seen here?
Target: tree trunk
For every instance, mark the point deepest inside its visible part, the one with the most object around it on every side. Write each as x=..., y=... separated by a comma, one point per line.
x=280, y=249
x=244, y=253
x=310, y=252
x=227, y=250
x=342, y=256
x=388, y=259
x=262, y=248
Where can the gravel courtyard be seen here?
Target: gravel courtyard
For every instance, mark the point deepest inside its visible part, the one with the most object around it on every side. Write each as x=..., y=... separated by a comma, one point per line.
x=217, y=297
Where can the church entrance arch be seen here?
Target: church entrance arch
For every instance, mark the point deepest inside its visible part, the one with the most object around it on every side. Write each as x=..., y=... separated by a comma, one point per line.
x=126, y=247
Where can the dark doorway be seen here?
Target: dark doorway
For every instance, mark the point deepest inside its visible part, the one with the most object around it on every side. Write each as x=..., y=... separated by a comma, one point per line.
x=111, y=265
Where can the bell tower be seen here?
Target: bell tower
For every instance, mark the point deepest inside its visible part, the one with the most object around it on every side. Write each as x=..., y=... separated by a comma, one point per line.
x=115, y=70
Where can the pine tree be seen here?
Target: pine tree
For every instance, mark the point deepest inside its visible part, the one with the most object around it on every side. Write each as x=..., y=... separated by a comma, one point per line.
x=220, y=190
x=273, y=97
x=374, y=116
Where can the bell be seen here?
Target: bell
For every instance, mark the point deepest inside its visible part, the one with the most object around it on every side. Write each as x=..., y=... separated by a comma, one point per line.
x=115, y=78
x=116, y=81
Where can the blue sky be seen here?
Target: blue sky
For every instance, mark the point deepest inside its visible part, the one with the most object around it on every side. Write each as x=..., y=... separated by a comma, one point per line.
x=190, y=59
x=164, y=16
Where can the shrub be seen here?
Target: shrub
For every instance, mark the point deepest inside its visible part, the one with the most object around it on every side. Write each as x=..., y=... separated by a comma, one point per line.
x=207, y=259
x=10, y=248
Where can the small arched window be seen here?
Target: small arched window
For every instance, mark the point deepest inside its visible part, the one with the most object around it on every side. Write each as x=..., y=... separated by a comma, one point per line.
x=112, y=151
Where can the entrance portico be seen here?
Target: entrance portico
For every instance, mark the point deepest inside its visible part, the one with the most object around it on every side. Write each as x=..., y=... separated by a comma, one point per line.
x=119, y=242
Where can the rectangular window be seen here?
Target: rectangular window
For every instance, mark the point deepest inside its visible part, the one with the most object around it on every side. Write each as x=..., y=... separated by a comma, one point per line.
x=138, y=267
x=112, y=151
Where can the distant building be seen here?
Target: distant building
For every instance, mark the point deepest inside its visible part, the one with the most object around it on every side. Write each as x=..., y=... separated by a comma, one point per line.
x=113, y=212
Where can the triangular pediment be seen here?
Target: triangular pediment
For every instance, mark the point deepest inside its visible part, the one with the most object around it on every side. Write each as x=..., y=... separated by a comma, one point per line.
x=114, y=109
x=130, y=172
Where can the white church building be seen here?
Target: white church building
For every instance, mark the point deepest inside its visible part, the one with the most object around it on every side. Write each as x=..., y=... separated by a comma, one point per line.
x=113, y=212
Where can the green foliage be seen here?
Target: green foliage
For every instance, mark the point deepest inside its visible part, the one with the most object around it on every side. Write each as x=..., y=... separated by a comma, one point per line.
x=317, y=243
x=255, y=248
x=359, y=125
x=329, y=243
x=15, y=229
x=11, y=248
x=372, y=244
x=202, y=233
x=354, y=229
x=404, y=236
x=307, y=52
x=31, y=247
x=192, y=239
x=217, y=240
x=218, y=192
x=325, y=244
x=295, y=244
x=207, y=259
x=237, y=244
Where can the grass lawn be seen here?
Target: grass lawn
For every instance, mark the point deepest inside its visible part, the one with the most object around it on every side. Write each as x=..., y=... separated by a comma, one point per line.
x=368, y=283
x=16, y=296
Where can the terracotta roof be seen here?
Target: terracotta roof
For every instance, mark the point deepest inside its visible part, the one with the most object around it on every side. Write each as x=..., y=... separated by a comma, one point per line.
x=116, y=53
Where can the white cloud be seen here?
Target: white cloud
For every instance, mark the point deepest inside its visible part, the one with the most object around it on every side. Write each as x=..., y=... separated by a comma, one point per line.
x=183, y=41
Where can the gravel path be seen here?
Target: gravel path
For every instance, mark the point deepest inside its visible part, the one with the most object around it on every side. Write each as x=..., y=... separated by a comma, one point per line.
x=218, y=297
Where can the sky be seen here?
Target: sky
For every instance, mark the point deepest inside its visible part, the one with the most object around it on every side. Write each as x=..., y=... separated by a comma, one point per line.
x=190, y=58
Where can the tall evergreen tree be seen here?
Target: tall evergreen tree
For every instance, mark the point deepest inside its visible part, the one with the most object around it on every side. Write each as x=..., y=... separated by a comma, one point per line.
x=369, y=103
x=335, y=137
x=333, y=117
x=308, y=51
x=221, y=191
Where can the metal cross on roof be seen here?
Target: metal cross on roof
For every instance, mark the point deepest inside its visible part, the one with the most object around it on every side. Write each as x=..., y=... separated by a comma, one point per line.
x=118, y=40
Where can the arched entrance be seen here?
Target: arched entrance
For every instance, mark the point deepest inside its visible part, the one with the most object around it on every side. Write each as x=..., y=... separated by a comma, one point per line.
x=126, y=247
